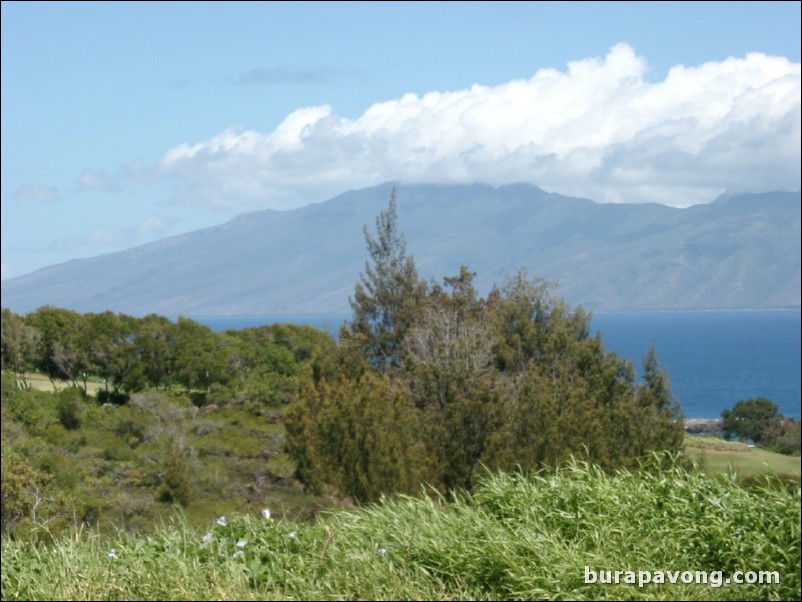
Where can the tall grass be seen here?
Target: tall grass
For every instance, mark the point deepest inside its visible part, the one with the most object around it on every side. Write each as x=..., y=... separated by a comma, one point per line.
x=515, y=537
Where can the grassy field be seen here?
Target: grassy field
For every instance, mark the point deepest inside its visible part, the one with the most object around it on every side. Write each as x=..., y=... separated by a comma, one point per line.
x=717, y=456
x=40, y=382
x=514, y=538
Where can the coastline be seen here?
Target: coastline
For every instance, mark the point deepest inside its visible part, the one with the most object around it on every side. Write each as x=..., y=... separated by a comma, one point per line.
x=703, y=426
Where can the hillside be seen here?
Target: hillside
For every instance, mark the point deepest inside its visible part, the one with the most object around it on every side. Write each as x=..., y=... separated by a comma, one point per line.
x=737, y=252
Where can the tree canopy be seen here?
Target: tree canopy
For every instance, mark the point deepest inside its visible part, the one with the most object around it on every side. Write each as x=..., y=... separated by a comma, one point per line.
x=759, y=420
x=435, y=383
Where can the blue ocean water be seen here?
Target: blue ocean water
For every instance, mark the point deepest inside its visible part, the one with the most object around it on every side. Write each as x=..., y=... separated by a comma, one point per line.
x=713, y=358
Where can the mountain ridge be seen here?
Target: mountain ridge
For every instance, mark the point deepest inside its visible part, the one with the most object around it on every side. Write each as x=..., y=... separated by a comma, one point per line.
x=742, y=251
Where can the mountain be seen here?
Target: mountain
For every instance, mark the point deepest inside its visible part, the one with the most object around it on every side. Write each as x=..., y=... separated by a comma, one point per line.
x=737, y=252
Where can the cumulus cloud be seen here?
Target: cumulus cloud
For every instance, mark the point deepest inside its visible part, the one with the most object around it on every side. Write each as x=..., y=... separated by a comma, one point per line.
x=598, y=129
x=92, y=179
x=36, y=193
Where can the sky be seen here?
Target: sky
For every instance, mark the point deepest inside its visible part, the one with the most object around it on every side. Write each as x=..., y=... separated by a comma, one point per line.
x=127, y=122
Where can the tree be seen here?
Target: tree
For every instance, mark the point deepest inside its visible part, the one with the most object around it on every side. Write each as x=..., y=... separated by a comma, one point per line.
x=514, y=380
x=661, y=420
x=749, y=419
x=783, y=435
x=62, y=353
x=448, y=373
x=20, y=346
x=114, y=355
x=156, y=342
x=448, y=346
x=384, y=298
x=200, y=356
x=360, y=436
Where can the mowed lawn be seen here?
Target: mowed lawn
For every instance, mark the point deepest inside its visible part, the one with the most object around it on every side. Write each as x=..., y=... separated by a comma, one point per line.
x=717, y=456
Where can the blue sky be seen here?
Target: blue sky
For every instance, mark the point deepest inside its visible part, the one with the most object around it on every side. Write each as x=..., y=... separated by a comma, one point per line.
x=127, y=122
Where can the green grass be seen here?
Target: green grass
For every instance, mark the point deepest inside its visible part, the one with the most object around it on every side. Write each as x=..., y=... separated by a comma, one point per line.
x=717, y=456
x=514, y=538
x=40, y=382
x=109, y=472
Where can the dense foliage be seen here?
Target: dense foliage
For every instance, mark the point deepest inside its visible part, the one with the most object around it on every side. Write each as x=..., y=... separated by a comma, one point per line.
x=180, y=415
x=513, y=538
x=434, y=382
x=759, y=420
x=256, y=366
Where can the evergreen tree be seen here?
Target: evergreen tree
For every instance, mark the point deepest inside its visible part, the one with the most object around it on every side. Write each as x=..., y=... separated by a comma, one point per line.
x=514, y=380
x=448, y=373
x=661, y=417
x=384, y=298
x=360, y=436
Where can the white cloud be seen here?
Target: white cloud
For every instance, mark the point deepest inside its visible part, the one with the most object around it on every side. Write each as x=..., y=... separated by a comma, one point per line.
x=36, y=194
x=105, y=237
x=108, y=238
x=92, y=179
x=151, y=225
x=598, y=129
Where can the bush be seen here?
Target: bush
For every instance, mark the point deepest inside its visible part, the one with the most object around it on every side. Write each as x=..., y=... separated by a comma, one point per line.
x=113, y=397
x=70, y=408
x=176, y=487
x=18, y=488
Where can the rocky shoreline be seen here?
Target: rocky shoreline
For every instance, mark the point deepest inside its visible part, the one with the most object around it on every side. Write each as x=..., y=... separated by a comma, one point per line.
x=703, y=426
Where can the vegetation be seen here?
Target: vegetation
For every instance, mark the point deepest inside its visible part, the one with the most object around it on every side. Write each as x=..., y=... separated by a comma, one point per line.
x=435, y=383
x=383, y=300
x=121, y=459
x=742, y=462
x=514, y=538
x=531, y=451
x=759, y=420
x=125, y=355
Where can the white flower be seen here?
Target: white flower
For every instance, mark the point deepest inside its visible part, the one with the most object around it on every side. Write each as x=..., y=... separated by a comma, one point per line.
x=381, y=552
x=222, y=521
x=238, y=554
x=242, y=543
x=266, y=513
x=208, y=537
x=112, y=553
x=292, y=534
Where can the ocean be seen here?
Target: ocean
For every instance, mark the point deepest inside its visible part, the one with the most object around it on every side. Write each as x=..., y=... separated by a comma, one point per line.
x=713, y=358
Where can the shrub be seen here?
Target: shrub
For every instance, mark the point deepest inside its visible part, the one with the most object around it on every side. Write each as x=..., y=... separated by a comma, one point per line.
x=70, y=408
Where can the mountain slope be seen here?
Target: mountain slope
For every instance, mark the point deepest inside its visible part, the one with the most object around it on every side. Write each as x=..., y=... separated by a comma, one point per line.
x=740, y=251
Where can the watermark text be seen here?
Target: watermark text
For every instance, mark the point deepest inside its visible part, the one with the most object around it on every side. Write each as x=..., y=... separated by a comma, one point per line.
x=711, y=578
